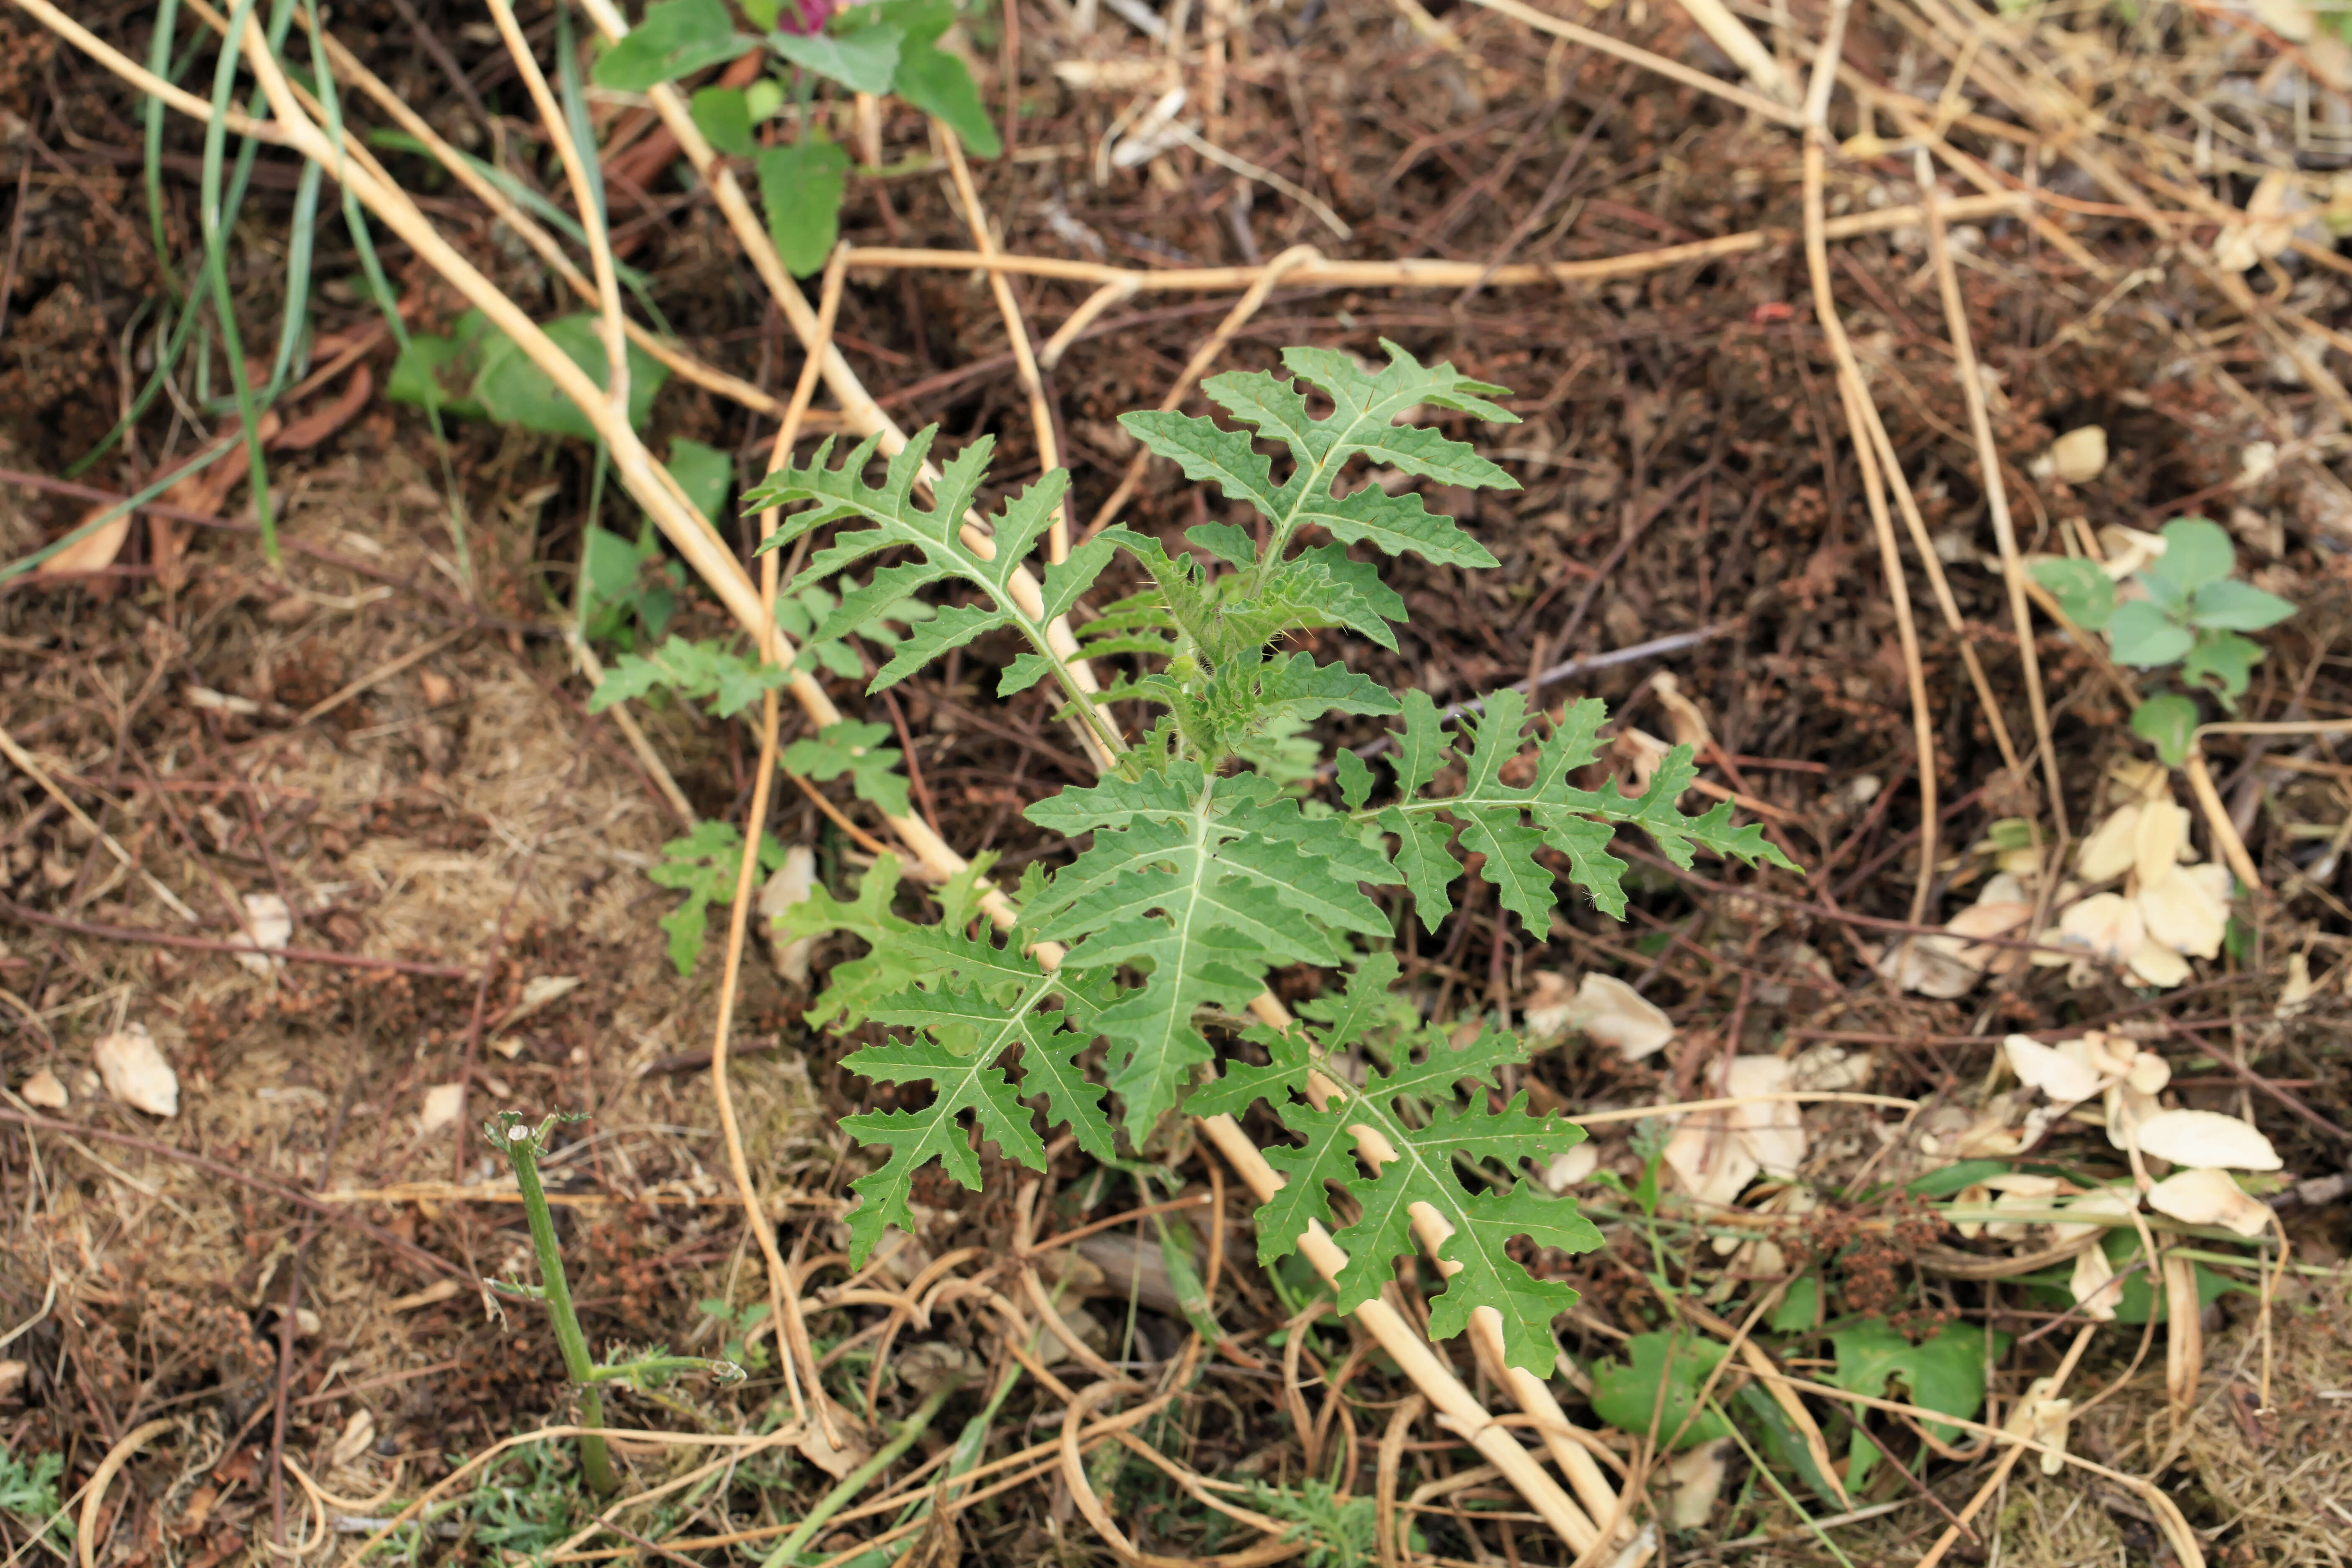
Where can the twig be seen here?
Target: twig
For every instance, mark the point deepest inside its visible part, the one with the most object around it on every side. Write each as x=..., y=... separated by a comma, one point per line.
x=1673, y=70
x=208, y=944
x=39, y=776
x=2008, y=1462
x=1996, y=489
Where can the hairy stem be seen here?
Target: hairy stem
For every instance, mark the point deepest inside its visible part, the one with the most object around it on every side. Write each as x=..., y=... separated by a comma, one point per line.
x=522, y=1153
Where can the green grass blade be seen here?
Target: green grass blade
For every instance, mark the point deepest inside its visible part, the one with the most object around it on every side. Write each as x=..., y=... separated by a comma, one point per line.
x=201, y=461
x=379, y=285
x=208, y=203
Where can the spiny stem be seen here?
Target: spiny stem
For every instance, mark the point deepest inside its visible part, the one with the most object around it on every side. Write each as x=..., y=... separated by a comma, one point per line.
x=521, y=1149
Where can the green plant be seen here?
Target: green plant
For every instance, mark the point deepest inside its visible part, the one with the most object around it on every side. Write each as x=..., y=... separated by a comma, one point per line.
x=2190, y=611
x=1337, y=1532
x=735, y=1330
x=29, y=1492
x=885, y=45
x=1203, y=874
x=704, y=866
x=524, y=1147
x=1944, y=1372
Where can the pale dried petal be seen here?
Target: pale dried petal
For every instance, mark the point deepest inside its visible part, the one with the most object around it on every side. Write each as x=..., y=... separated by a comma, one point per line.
x=44, y=1090
x=2159, y=965
x=2128, y=1110
x=2005, y=887
x=1614, y=1014
x=1709, y=1163
x=2158, y=839
x=2113, y=1202
x=271, y=925
x=1975, y=1198
x=791, y=883
x=2210, y=1197
x=2296, y=994
x=2094, y=1285
x=2077, y=457
x=1982, y=920
x=2108, y=852
x=358, y=1436
x=2062, y=1077
x=1544, y=1015
x=2149, y=1073
x=1695, y=1480
x=2180, y=911
x=135, y=1072
x=444, y=1103
x=1773, y=1130
x=2206, y=1138
x=1682, y=715
x=1931, y=965
x=2108, y=924
x=1566, y=1170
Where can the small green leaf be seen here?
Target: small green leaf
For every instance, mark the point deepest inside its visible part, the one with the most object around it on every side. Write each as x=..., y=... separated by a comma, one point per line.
x=704, y=865
x=1958, y=1177
x=513, y=390
x=1945, y=1373
x=1229, y=544
x=677, y=38
x=2081, y=588
x=2143, y=635
x=2195, y=552
x=762, y=99
x=1355, y=779
x=862, y=59
x=1656, y=1390
x=704, y=473
x=723, y=115
x=1799, y=1307
x=612, y=566
x=2223, y=663
x=2231, y=605
x=436, y=371
x=2166, y=722
x=801, y=187
x=937, y=83
x=855, y=748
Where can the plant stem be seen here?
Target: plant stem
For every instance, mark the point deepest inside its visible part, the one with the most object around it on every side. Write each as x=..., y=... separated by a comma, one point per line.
x=596, y=1463
x=856, y=1480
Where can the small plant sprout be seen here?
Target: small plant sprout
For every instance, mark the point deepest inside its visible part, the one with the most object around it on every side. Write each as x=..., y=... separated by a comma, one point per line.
x=524, y=1146
x=2178, y=604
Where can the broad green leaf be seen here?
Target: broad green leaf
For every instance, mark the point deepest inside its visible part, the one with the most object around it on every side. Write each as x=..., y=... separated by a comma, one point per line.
x=862, y=59
x=2223, y=663
x=1355, y=779
x=1653, y=1390
x=677, y=38
x=2234, y=606
x=2143, y=635
x=705, y=473
x=512, y=390
x=1228, y=543
x=723, y=115
x=2084, y=592
x=801, y=187
x=1944, y=1372
x=856, y=748
x=937, y=83
x=2196, y=552
x=2168, y=722
x=915, y=1138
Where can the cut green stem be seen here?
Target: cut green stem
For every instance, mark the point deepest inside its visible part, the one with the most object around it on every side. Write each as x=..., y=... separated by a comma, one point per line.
x=521, y=1147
